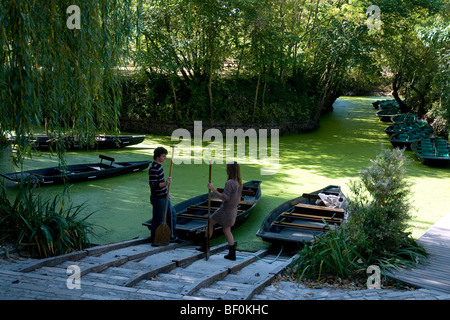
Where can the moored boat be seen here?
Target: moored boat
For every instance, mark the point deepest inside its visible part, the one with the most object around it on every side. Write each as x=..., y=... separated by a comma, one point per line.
x=402, y=127
x=77, y=172
x=382, y=104
x=100, y=142
x=432, y=151
x=386, y=115
x=404, y=118
x=192, y=214
x=304, y=218
x=406, y=138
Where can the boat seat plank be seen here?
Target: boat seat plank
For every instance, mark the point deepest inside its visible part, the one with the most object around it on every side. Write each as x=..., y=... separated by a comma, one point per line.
x=192, y=216
x=206, y=208
x=316, y=195
x=314, y=207
x=310, y=217
x=36, y=175
x=300, y=226
x=240, y=202
x=247, y=192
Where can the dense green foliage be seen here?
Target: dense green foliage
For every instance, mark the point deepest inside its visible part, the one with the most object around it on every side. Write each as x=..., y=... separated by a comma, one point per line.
x=241, y=61
x=413, y=48
x=236, y=61
x=376, y=230
x=46, y=227
x=63, y=79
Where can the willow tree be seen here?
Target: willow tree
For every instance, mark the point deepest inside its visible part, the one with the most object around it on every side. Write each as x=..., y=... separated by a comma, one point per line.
x=59, y=67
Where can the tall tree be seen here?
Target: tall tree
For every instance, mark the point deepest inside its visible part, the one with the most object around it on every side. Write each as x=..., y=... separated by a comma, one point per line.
x=61, y=74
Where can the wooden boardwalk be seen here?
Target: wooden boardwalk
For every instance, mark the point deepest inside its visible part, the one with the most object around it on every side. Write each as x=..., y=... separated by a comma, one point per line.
x=435, y=273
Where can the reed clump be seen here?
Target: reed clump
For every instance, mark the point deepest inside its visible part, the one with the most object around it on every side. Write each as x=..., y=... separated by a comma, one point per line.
x=43, y=226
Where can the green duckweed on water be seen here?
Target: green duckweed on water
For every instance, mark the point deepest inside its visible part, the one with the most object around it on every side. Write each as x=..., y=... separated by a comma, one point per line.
x=347, y=139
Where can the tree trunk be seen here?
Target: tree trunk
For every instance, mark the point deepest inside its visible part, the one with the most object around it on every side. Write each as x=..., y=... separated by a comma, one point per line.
x=175, y=110
x=211, y=102
x=256, y=96
x=396, y=84
x=422, y=111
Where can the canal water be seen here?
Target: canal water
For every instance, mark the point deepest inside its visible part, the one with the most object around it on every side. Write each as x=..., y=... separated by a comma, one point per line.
x=347, y=139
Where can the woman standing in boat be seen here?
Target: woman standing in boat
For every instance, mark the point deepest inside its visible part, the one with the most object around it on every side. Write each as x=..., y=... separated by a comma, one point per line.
x=227, y=212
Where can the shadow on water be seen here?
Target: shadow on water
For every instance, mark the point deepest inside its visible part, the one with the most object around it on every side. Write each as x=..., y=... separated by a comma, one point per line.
x=333, y=154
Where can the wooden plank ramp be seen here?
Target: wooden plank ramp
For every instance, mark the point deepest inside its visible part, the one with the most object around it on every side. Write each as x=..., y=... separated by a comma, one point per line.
x=434, y=273
x=136, y=270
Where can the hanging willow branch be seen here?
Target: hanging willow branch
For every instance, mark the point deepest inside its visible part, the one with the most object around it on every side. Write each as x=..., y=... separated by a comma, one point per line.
x=65, y=80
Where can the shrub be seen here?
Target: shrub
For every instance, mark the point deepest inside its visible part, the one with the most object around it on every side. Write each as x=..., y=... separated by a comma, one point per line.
x=379, y=210
x=47, y=227
x=379, y=207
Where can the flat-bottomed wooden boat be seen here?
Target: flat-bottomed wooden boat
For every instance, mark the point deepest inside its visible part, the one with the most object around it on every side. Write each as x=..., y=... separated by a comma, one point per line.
x=301, y=220
x=192, y=214
x=100, y=142
x=78, y=172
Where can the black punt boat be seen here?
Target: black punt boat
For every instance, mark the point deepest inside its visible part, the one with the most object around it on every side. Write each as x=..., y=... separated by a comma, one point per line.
x=100, y=142
x=77, y=172
x=302, y=219
x=192, y=214
x=432, y=151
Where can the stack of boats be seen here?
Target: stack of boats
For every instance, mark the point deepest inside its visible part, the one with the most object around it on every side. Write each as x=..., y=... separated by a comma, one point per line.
x=412, y=134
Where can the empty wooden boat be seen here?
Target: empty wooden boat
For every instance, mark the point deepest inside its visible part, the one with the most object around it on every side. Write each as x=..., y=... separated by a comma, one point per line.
x=78, y=172
x=304, y=218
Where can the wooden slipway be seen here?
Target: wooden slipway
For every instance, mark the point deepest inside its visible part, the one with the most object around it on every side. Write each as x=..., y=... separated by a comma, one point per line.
x=135, y=270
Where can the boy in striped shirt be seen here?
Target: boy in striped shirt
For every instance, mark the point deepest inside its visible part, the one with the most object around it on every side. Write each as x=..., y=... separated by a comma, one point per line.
x=158, y=196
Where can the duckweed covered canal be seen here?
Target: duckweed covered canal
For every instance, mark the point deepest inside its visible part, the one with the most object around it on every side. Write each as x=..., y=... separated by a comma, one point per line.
x=335, y=153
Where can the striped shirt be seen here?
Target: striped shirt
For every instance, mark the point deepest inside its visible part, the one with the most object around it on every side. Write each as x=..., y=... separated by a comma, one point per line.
x=156, y=176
